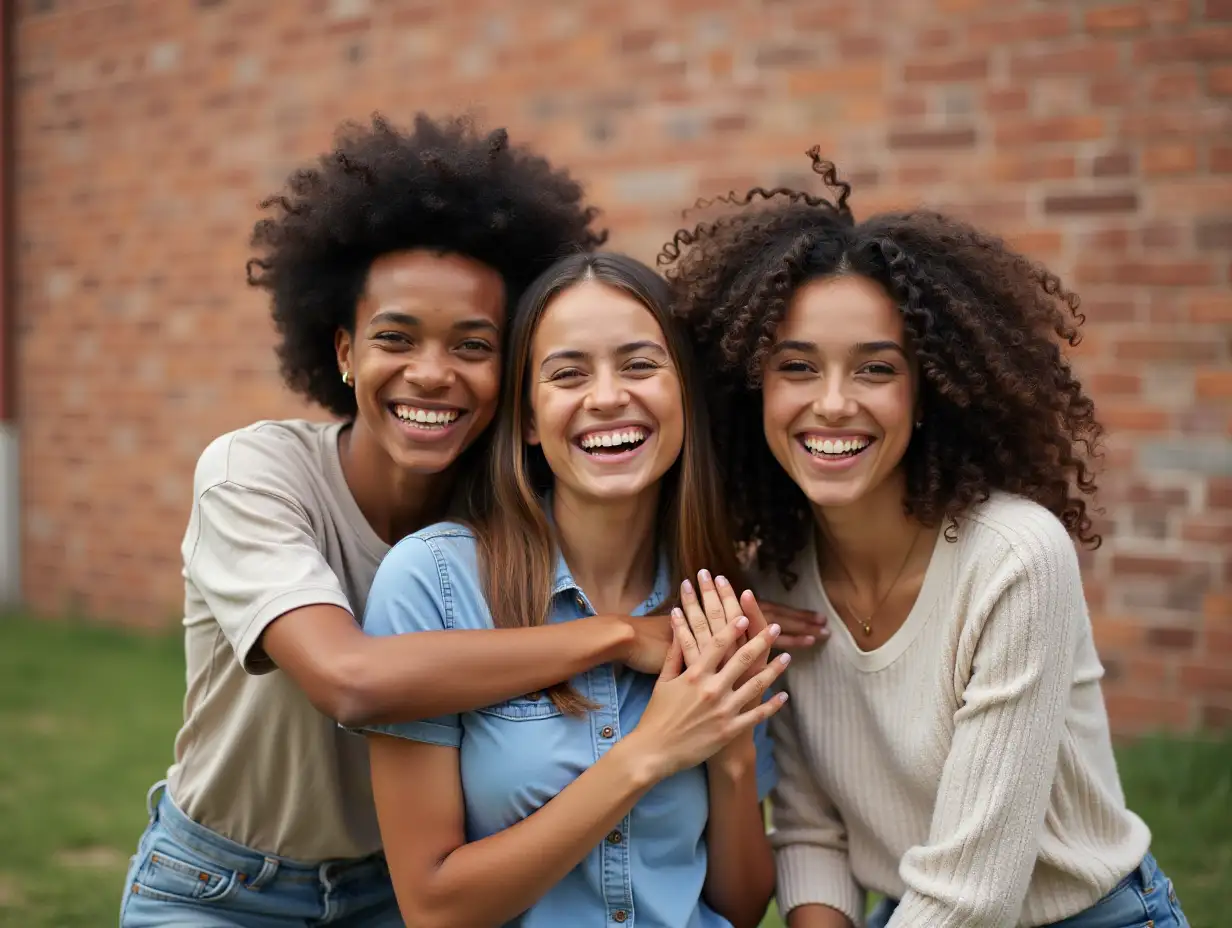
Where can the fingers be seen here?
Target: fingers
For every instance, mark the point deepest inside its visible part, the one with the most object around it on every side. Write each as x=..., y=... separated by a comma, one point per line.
x=672, y=663
x=684, y=638
x=728, y=601
x=718, y=646
x=749, y=654
x=800, y=629
x=755, y=686
x=753, y=717
x=750, y=607
x=695, y=615
x=712, y=603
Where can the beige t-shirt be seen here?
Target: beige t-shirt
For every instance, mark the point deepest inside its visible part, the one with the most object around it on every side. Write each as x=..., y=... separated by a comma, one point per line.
x=964, y=767
x=274, y=527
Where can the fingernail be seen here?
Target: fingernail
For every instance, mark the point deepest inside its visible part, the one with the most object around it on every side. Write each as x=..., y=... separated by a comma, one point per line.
x=774, y=631
x=677, y=615
x=809, y=639
x=703, y=576
x=782, y=697
x=687, y=587
x=721, y=581
x=824, y=633
x=742, y=623
x=784, y=658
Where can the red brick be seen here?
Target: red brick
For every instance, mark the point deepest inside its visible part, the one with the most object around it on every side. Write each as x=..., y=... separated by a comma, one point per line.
x=1091, y=203
x=1219, y=493
x=1135, y=418
x=1007, y=100
x=1112, y=91
x=930, y=139
x=1206, y=677
x=1217, y=606
x=1208, y=531
x=946, y=70
x=1163, y=348
x=1219, y=80
x=1050, y=129
x=1220, y=159
x=1208, y=43
x=1170, y=638
x=1174, y=158
x=1092, y=58
x=1165, y=273
x=1026, y=26
x=1216, y=716
x=1213, y=384
x=1012, y=167
x=1218, y=9
x=1123, y=17
x=1210, y=308
x=1112, y=164
x=1137, y=713
x=1175, y=86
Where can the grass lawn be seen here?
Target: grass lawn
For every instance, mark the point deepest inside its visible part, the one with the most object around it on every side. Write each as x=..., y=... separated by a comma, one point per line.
x=87, y=717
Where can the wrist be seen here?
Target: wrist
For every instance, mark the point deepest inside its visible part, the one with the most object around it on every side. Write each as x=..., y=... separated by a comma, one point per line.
x=643, y=763
x=617, y=637
x=736, y=762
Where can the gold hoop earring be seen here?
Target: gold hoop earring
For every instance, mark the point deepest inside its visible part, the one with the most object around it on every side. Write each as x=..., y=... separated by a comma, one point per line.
x=346, y=378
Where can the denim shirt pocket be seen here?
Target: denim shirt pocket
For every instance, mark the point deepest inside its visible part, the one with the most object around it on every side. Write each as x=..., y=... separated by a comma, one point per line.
x=528, y=708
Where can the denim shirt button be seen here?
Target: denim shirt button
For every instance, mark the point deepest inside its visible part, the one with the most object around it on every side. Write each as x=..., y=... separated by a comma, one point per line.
x=615, y=837
x=606, y=731
x=580, y=600
x=619, y=915
x=534, y=697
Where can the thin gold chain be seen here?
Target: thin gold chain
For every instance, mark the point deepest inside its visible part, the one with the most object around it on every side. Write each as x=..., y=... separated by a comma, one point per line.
x=866, y=624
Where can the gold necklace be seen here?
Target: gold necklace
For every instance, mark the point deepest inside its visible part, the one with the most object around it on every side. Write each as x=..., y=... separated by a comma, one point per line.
x=866, y=624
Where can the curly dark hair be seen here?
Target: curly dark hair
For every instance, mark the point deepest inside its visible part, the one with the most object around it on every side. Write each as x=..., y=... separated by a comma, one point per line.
x=1001, y=408
x=442, y=186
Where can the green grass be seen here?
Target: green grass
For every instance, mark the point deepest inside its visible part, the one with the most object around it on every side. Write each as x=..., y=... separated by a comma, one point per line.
x=87, y=717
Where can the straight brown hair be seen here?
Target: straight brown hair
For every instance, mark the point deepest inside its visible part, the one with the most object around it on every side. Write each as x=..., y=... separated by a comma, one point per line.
x=517, y=551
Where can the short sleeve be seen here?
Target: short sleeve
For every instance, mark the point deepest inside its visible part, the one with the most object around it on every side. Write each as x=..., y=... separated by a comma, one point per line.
x=408, y=596
x=767, y=770
x=251, y=552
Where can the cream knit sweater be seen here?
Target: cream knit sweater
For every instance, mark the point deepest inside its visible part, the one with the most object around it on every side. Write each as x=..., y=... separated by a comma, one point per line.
x=964, y=767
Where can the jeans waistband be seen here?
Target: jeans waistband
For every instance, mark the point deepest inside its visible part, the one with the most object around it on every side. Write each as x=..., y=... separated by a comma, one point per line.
x=236, y=856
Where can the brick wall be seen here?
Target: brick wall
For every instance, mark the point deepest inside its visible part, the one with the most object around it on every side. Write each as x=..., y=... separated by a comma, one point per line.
x=1094, y=135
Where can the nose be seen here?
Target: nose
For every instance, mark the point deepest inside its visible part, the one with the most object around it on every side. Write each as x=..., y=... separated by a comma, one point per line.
x=833, y=403
x=606, y=391
x=429, y=369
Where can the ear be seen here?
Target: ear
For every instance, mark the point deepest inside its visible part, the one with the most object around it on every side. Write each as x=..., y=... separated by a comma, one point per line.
x=343, y=343
x=530, y=434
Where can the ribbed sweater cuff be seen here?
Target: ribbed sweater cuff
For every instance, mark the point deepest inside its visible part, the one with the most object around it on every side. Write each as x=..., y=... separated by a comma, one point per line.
x=810, y=875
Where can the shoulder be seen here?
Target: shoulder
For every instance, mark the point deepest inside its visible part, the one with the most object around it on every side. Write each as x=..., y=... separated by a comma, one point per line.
x=271, y=455
x=1017, y=534
x=428, y=579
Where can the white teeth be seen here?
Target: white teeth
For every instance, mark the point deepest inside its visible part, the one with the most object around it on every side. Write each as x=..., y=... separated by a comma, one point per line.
x=613, y=439
x=836, y=446
x=426, y=417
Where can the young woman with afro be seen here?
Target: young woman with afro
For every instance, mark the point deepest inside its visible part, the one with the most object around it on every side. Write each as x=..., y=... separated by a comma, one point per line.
x=391, y=265
x=908, y=451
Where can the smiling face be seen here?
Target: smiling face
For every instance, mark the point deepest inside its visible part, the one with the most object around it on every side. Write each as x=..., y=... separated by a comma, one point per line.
x=424, y=359
x=839, y=391
x=605, y=396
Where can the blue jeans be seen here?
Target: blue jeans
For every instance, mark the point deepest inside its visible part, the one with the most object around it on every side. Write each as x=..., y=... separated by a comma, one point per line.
x=1145, y=897
x=187, y=876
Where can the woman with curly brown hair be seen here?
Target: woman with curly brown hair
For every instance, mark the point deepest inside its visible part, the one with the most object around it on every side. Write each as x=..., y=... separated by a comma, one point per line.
x=908, y=451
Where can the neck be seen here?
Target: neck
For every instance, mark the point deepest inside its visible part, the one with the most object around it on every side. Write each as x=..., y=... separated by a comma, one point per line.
x=869, y=537
x=395, y=501
x=609, y=546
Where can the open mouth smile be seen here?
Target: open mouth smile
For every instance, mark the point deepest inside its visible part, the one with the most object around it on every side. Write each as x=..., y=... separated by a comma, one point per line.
x=613, y=444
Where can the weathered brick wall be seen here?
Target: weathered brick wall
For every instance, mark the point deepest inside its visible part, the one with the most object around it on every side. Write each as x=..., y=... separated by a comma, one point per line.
x=1095, y=135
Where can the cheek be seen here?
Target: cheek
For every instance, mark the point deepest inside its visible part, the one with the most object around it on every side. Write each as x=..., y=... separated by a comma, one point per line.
x=485, y=386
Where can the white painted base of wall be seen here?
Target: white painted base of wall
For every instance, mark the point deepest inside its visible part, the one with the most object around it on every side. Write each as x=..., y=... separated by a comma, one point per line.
x=10, y=516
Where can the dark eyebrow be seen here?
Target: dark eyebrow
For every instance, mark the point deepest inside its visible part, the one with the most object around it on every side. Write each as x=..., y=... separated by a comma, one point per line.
x=860, y=348
x=640, y=346
x=397, y=317
x=874, y=347
x=793, y=345
x=567, y=354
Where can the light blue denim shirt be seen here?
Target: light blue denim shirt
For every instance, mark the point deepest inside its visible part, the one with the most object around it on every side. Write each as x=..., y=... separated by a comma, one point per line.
x=517, y=755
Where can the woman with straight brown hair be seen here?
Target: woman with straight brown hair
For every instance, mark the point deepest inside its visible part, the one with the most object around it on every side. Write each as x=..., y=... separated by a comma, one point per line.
x=617, y=797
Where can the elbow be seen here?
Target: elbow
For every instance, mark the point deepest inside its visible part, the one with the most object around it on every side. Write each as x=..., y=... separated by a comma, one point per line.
x=350, y=699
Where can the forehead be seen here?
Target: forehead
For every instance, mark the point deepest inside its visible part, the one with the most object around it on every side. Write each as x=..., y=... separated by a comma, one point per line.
x=594, y=318
x=841, y=311
x=418, y=280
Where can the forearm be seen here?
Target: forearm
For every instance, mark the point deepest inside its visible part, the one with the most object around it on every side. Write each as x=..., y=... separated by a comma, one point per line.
x=740, y=863
x=817, y=916
x=488, y=883
x=361, y=679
